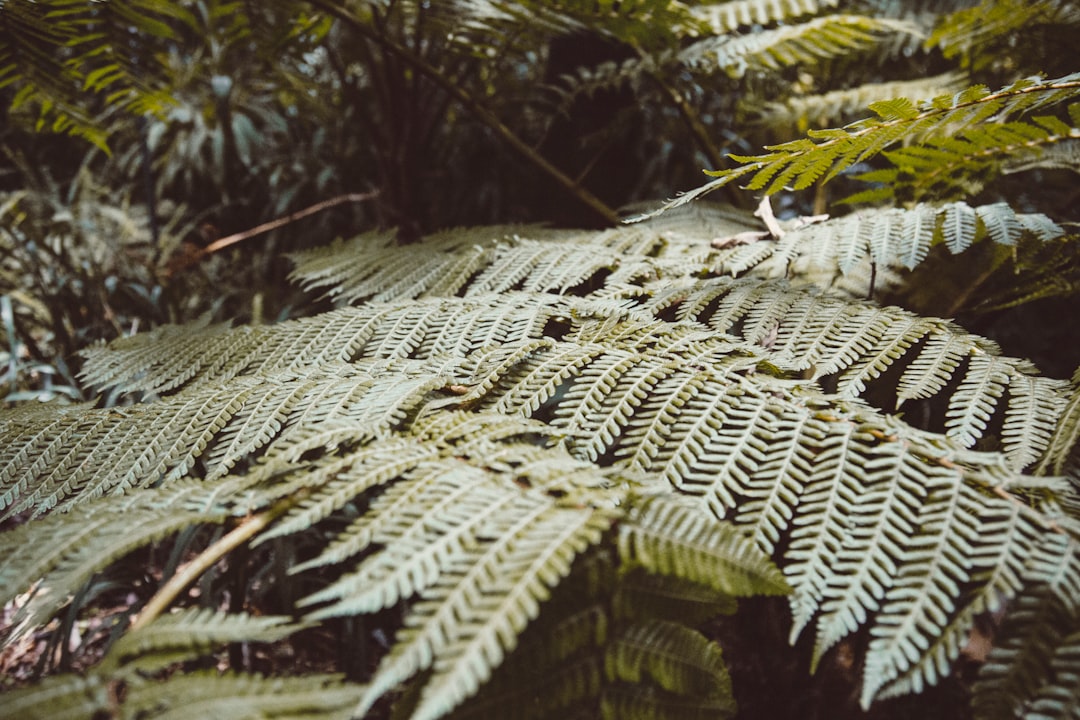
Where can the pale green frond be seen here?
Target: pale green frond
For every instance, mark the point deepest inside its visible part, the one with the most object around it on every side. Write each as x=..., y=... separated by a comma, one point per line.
x=1031, y=418
x=676, y=658
x=823, y=109
x=1020, y=667
x=64, y=697
x=995, y=549
x=138, y=364
x=803, y=43
x=640, y=594
x=52, y=558
x=190, y=633
x=370, y=267
x=517, y=568
x=674, y=538
x=110, y=451
x=963, y=31
x=422, y=522
x=727, y=16
x=332, y=485
x=1065, y=441
x=975, y=400
x=903, y=237
x=208, y=693
x=602, y=399
x=1062, y=155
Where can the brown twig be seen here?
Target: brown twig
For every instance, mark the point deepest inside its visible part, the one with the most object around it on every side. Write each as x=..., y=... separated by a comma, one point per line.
x=228, y=240
x=246, y=530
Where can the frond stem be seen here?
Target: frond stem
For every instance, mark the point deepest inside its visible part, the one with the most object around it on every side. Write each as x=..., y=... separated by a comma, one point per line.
x=693, y=121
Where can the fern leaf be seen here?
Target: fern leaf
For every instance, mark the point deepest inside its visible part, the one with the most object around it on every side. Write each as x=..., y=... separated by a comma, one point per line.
x=673, y=538
x=824, y=507
x=799, y=43
x=928, y=373
x=728, y=16
x=1065, y=440
x=422, y=522
x=642, y=595
x=677, y=658
x=604, y=396
x=73, y=547
x=189, y=633
x=211, y=694
x=343, y=480
x=378, y=272
x=534, y=549
x=629, y=702
x=819, y=110
x=955, y=551
x=971, y=406
x=862, y=140
x=773, y=490
x=152, y=441
x=893, y=343
x=1020, y=666
x=1031, y=418
x=65, y=697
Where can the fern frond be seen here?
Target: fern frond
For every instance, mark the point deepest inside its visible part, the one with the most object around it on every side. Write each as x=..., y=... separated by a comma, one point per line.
x=640, y=595
x=110, y=451
x=960, y=164
x=190, y=633
x=73, y=547
x=824, y=154
x=211, y=694
x=1035, y=643
x=805, y=111
x=673, y=538
x=1031, y=419
x=802, y=43
x=964, y=31
x=1064, y=443
x=672, y=655
x=631, y=702
x=66, y=697
x=728, y=16
x=517, y=569
x=971, y=406
x=1061, y=155
x=497, y=262
x=903, y=237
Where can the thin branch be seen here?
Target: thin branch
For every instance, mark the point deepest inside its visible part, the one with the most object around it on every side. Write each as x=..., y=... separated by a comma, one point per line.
x=693, y=121
x=241, y=534
x=228, y=240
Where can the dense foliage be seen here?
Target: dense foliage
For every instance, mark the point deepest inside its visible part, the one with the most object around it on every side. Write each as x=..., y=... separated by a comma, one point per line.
x=558, y=408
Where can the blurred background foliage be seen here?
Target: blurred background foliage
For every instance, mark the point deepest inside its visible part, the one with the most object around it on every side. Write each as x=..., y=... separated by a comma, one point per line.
x=137, y=132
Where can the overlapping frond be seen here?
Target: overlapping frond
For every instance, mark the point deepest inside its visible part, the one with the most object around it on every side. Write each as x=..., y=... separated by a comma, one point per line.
x=806, y=111
x=727, y=16
x=823, y=154
x=725, y=52
x=461, y=458
x=963, y=32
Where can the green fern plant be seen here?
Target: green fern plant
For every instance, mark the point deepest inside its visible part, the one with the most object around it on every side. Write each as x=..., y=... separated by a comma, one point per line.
x=465, y=449
x=514, y=469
